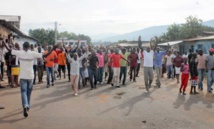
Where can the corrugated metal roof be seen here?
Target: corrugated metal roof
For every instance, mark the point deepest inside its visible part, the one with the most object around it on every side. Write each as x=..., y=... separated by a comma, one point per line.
x=170, y=43
x=200, y=38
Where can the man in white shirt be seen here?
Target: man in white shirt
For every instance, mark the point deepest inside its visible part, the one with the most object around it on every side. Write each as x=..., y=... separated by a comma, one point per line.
x=148, y=67
x=26, y=59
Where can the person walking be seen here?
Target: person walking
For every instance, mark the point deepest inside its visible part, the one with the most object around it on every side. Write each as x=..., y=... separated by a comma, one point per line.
x=50, y=65
x=123, y=66
x=61, y=62
x=100, y=56
x=148, y=67
x=40, y=62
x=115, y=58
x=169, y=65
x=194, y=74
x=184, y=76
x=74, y=63
x=110, y=69
x=133, y=57
x=26, y=58
x=210, y=70
x=200, y=60
x=178, y=60
x=158, y=64
x=138, y=62
x=93, y=66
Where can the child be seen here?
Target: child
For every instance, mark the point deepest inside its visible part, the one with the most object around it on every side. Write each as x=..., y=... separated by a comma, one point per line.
x=194, y=74
x=184, y=76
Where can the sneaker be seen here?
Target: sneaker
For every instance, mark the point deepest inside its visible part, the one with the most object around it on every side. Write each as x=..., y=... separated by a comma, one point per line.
x=25, y=113
x=117, y=86
x=196, y=93
x=184, y=93
x=48, y=86
x=2, y=86
x=75, y=94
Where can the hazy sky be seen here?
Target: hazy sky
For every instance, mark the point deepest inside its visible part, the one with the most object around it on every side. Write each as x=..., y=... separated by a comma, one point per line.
x=94, y=17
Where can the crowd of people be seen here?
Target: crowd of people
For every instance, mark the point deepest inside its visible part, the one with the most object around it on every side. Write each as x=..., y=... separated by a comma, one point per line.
x=98, y=65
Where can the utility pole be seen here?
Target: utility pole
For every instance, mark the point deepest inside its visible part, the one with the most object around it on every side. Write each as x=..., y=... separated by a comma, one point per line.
x=55, y=33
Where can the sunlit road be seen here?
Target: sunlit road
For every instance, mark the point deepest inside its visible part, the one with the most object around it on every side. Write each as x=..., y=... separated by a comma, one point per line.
x=128, y=107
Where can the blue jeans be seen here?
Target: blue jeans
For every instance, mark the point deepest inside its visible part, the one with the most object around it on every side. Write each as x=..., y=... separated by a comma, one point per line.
x=123, y=72
x=50, y=70
x=210, y=79
x=93, y=77
x=100, y=74
x=26, y=86
x=201, y=73
x=170, y=71
x=83, y=78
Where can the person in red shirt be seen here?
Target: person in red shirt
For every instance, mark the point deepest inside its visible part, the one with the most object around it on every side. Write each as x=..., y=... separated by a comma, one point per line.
x=115, y=58
x=110, y=70
x=133, y=57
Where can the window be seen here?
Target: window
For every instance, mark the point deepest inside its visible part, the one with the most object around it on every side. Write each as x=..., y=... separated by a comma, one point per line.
x=200, y=47
x=212, y=46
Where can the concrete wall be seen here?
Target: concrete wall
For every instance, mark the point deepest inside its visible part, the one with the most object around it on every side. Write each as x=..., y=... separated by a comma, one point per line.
x=20, y=41
x=204, y=45
x=4, y=31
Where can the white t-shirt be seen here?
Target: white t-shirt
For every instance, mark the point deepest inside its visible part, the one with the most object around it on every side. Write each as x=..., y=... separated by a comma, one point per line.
x=185, y=56
x=139, y=57
x=148, y=58
x=75, y=64
x=26, y=60
x=169, y=59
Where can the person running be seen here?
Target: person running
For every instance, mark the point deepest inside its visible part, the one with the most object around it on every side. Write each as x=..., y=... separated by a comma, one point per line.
x=200, y=60
x=115, y=58
x=194, y=74
x=133, y=57
x=26, y=58
x=148, y=67
x=50, y=65
x=184, y=76
x=210, y=70
x=61, y=62
x=178, y=60
x=123, y=66
x=74, y=63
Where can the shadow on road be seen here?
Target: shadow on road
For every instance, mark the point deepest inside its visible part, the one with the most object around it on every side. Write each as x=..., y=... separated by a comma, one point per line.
x=130, y=103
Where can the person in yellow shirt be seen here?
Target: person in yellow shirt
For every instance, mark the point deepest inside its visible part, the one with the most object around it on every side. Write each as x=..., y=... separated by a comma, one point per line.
x=61, y=62
x=123, y=66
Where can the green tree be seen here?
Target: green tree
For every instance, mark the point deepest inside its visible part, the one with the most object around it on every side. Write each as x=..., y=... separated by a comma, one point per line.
x=44, y=36
x=173, y=32
x=192, y=28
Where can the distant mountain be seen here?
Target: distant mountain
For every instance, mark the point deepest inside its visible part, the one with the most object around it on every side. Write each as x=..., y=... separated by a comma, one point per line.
x=209, y=23
x=147, y=33
x=96, y=38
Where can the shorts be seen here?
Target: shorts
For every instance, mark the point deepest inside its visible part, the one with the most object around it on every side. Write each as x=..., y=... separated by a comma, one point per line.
x=15, y=71
x=56, y=67
x=177, y=70
x=194, y=81
x=62, y=67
